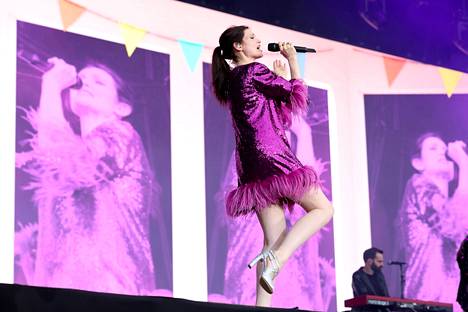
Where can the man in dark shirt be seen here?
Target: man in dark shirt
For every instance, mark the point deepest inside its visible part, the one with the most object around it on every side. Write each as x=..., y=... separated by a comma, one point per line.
x=369, y=279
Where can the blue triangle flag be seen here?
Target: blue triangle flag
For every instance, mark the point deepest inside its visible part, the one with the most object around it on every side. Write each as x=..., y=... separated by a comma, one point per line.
x=301, y=59
x=192, y=52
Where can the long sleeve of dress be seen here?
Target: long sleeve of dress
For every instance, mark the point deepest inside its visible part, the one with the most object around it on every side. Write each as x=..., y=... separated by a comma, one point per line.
x=428, y=212
x=68, y=161
x=431, y=239
x=417, y=229
x=293, y=93
x=93, y=196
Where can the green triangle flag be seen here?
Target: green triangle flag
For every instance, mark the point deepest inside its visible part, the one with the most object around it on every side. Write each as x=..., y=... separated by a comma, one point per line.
x=192, y=52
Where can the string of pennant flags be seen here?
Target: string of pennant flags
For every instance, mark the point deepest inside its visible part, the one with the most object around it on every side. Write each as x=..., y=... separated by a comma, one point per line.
x=450, y=78
x=70, y=12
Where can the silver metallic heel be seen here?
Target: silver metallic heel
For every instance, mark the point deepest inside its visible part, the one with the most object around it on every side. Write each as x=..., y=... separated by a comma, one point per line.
x=259, y=257
x=269, y=272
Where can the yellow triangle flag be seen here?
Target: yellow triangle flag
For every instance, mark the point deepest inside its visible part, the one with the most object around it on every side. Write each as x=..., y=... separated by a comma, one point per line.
x=69, y=12
x=132, y=37
x=393, y=67
x=450, y=78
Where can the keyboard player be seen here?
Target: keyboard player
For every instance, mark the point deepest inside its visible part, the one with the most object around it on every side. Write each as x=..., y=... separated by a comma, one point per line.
x=369, y=279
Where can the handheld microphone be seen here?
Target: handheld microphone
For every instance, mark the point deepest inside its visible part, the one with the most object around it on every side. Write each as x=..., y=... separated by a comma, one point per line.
x=42, y=65
x=34, y=60
x=396, y=263
x=274, y=47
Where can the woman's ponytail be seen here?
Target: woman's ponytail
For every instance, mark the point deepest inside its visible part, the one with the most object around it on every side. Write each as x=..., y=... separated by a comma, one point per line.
x=220, y=69
x=220, y=73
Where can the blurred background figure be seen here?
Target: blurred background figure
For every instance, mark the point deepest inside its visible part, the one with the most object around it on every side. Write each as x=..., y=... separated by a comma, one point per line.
x=93, y=186
x=433, y=222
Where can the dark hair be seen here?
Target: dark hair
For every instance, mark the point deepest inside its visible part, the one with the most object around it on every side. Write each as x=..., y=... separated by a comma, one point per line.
x=124, y=93
x=219, y=67
x=420, y=140
x=370, y=253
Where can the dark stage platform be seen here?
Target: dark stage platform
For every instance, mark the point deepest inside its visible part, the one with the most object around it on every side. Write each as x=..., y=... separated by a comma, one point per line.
x=28, y=298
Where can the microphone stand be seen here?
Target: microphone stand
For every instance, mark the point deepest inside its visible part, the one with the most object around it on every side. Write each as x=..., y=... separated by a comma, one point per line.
x=402, y=280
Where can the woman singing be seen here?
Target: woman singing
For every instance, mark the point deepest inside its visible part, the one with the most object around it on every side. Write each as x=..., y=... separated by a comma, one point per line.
x=92, y=187
x=270, y=177
x=434, y=222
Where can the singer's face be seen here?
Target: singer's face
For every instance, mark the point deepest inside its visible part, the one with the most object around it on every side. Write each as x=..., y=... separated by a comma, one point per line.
x=251, y=45
x=98, y=95
x=433, y=157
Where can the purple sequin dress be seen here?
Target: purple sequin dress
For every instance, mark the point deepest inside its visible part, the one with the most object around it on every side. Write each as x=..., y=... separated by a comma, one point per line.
x=261, y=105
x=93, y=196
x=433, y=226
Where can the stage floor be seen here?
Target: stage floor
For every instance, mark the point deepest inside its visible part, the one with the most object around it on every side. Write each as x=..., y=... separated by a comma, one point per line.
x=29, y=298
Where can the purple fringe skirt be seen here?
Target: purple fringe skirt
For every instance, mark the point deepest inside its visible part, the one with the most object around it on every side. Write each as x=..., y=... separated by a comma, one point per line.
x=285, y=189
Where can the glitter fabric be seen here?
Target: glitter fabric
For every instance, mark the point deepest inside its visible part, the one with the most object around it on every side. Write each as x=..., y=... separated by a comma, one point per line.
x=433, y=226
x=93, y=198
x=269, y=172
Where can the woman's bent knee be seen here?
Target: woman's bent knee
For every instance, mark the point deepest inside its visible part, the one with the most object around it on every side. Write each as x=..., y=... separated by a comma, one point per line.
x=315, y=199
x=329, y=210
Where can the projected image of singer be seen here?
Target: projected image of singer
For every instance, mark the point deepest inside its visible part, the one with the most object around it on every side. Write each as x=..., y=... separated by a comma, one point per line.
x=270, y=177
x=434, y=219
x=92, y=186
x=369, y=279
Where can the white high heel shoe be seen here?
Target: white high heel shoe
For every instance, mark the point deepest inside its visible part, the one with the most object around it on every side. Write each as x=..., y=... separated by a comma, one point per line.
x=270, y=269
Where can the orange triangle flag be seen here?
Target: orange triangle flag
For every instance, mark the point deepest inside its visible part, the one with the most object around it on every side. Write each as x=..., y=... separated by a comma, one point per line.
x=393, y=67
x=69, y=12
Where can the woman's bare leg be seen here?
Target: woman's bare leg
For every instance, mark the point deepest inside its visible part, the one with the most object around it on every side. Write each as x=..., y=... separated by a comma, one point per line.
x=273, y=224
x=319, y=212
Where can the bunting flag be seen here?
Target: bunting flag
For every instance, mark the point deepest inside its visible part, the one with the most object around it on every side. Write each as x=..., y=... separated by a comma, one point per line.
x=450, y=78
x=393, y=67
x=132, y=37
x=192, y=52
x=301, y=59
x=69, y=12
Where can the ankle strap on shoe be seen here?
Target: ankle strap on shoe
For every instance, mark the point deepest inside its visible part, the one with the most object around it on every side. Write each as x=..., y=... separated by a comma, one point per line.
x=273, y=260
